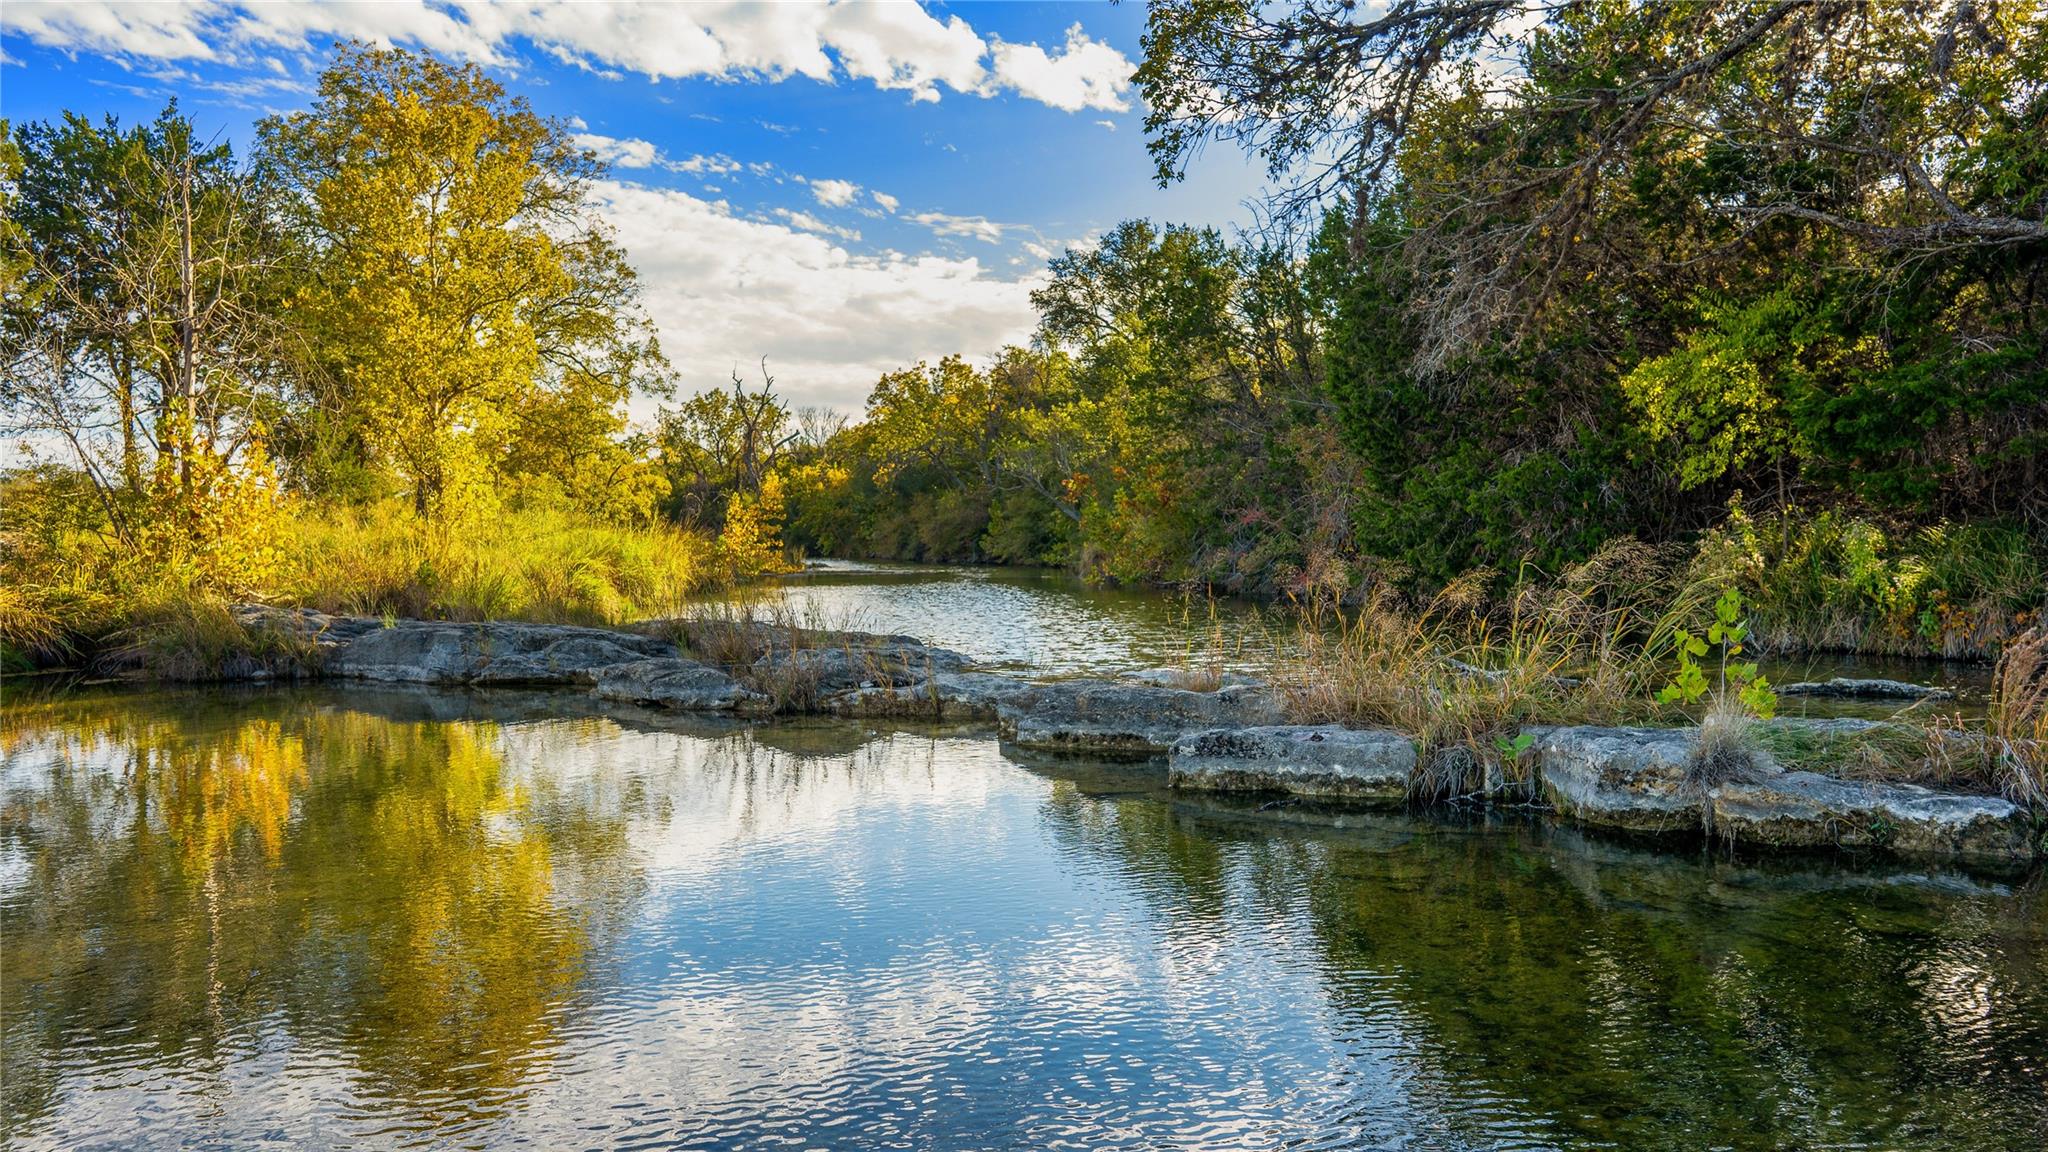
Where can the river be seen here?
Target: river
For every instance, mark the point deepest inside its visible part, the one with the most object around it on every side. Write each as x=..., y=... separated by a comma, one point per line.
x=347, y=917
x=1049, y=624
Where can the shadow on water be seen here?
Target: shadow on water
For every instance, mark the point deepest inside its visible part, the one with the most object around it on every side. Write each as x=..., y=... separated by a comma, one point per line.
x=318, y=918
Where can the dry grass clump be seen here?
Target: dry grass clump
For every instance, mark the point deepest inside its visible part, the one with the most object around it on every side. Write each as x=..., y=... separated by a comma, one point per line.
x=1206, y=677
x=805, y=647
x=2017, y=723
x=1208, y=647
x=180, y=635
x=1461, y=672
x=1726, y=747
x=31, y=631
x=732, y=633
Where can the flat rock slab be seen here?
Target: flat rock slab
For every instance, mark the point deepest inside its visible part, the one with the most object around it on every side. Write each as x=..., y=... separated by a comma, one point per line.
x=1117, y=718
x=1808, y=810
x=1627, y=778
x=1190, y=678
x=328, y=631
x=440, y=652
x=1634, y=779
x=1844, y=688
x=886, y=663
x=1322, y=760
x=677, y=684
x=944, y=696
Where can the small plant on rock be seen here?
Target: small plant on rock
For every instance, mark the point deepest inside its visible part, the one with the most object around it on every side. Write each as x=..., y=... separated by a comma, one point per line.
x=1512, y=750
x=1751, y=690
x=1726, y=746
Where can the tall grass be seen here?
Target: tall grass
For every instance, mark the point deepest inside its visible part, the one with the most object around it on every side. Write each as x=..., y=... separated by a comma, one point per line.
x=69, y=590
x=2018, y=719
x=542, y=564
x=784, y=653
x=1459, y=672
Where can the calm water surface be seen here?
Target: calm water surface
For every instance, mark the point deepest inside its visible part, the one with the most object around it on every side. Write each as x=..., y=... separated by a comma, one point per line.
x=1048, y=623
x=1023, y=618
x=359, y=919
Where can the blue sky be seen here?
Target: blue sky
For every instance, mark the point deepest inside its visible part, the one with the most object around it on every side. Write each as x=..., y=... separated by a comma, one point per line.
x=843, y=188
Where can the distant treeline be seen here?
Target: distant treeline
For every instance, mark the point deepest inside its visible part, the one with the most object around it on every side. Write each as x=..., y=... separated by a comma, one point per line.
x=1764, y=286
x=1769, y=277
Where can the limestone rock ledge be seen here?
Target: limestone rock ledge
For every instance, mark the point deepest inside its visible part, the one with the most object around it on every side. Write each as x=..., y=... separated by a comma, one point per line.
x=1847, y=688
x=682, y=685
x=1634, y=779
x=1320, y=761
x=1229, y=740
x=1117, y=718
x=442, y=652
x=1808, y=810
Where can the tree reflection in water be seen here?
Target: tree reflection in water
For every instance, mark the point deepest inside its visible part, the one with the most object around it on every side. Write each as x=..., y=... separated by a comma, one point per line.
x=194, y=875
x=340, y=918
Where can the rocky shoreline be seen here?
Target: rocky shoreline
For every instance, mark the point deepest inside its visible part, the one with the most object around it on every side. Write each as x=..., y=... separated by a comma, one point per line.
x=1232, y=738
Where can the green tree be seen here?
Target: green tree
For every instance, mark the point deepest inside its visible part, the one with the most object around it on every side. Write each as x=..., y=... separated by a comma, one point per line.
x=141, y=323
x=459, y=277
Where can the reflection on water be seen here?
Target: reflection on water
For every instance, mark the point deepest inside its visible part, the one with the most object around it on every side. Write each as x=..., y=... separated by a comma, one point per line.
x=348, y=919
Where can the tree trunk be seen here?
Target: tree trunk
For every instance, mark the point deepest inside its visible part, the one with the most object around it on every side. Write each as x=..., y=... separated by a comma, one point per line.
x=186, y=374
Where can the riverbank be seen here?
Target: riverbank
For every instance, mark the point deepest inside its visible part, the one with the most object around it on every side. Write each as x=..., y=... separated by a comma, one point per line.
x=1814, y=584
x=1841, y=784
x=156, y=601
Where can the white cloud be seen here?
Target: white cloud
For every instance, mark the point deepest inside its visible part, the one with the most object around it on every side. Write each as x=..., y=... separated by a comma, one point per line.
x=114, y=27
x=632, y=152
x=629, y=153
x=887, y=201
x=1089, y=74
x=727, y=290
x=834, y=193
x=902, y=46
x=894, y=46
x=809, y=223
x=718, y=165
x=943, y=224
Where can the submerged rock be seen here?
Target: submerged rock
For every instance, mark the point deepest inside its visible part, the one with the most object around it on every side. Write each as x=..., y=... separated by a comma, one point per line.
x=1808, y=810
x=1844, y=688
x=1107, y=717
x=682, y=685
x=1324, y=760
x=441, y=652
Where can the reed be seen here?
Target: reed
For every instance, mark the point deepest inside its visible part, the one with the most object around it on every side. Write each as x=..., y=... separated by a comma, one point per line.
x=2017, y=722
x=1460, y=673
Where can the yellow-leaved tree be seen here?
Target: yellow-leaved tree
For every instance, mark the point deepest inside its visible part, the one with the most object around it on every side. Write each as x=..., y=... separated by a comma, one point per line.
x=461, y=280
